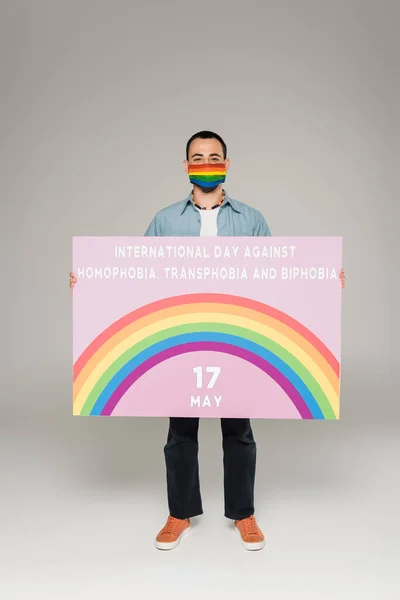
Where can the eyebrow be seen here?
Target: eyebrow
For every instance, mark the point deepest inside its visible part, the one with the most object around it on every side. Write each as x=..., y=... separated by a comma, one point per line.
x=198, y=154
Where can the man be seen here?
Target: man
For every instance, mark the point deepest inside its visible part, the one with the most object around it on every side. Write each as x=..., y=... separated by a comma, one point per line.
x=208, y=211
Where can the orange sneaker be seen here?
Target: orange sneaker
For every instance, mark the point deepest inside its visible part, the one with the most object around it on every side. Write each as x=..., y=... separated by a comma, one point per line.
x=251, y=535
x=172, y=533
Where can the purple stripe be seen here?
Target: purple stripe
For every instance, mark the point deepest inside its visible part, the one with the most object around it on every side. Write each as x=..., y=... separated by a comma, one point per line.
x=259, y=362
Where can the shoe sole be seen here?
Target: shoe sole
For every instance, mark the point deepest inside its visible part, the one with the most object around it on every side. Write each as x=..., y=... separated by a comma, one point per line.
x=172, y=545
x=248, y=545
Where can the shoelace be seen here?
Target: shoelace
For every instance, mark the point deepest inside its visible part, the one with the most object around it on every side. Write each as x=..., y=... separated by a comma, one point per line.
x=250, y=525
x=171, y=525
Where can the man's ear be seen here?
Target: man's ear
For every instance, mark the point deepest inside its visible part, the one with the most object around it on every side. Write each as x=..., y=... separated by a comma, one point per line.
x=227, y=163
x=186, y=166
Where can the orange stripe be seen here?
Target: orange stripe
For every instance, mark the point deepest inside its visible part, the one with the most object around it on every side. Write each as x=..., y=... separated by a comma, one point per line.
x=184, y=300
x=153, y=317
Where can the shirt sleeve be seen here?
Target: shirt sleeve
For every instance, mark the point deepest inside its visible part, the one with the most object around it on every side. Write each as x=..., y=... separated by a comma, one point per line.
x=261, y=227
x=153, y=229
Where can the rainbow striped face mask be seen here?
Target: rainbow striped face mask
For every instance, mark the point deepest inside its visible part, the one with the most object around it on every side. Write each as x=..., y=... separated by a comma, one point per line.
x=207, y=176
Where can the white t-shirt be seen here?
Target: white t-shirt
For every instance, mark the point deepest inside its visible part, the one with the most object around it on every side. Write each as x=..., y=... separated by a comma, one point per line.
x=209, y=222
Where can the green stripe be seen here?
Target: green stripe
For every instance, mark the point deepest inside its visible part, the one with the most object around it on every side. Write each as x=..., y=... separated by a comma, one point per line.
x=262, y=340
x=207, y=177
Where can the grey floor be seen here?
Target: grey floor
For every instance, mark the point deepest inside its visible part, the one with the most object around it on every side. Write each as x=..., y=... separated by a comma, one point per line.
x=82, y=499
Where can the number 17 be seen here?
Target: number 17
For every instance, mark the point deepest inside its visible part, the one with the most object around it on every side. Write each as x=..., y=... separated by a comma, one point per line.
x=199, y=372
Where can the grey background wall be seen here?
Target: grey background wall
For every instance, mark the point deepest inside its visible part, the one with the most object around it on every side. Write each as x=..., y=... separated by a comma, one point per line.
x=98, y=100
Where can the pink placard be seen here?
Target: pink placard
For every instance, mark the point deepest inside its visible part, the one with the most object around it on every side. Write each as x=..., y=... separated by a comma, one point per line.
x=207, y=327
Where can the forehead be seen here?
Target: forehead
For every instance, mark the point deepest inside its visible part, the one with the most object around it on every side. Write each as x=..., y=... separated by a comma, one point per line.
x=209, y=146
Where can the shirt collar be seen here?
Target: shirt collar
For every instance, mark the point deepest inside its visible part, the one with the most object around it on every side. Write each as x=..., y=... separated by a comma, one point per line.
x=228, y=200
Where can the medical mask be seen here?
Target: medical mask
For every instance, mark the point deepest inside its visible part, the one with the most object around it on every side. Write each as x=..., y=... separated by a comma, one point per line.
x=207, y=176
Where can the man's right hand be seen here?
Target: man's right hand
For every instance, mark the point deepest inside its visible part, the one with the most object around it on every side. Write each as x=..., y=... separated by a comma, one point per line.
x=72, y=281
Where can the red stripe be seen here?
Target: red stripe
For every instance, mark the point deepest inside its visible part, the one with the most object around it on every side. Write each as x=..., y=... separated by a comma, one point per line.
x=202, y=298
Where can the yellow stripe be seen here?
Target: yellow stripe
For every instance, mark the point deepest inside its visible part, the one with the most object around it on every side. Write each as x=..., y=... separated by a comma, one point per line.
x=199, y=308
x=207, y=172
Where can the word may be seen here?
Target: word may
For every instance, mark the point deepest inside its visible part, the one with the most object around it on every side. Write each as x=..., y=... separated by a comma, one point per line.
x=196, y=401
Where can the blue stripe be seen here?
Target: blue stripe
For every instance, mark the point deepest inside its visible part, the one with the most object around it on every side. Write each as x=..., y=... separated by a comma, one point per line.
x=225, y=338
x=206, y=183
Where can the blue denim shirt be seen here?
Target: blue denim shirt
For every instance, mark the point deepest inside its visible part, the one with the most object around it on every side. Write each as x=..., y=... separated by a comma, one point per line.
x=183, y=219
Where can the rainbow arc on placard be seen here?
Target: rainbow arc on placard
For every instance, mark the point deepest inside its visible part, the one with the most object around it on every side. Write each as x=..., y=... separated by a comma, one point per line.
x=288, y=352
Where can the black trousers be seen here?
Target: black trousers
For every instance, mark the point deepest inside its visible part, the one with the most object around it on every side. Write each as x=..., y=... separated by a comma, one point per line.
x=239, y=462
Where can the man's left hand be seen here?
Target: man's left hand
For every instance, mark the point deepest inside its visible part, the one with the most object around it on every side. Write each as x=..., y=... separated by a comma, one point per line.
x=342, y=278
